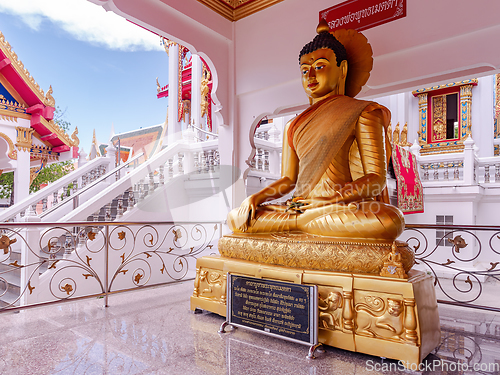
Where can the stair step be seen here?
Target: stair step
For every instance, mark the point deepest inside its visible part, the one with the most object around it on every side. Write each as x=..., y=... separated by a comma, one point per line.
x=8, y=298
x=13, y=280
x=6, y=269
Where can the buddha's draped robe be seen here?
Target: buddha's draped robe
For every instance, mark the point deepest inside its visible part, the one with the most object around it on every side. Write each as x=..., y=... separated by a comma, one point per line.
x=341, y=147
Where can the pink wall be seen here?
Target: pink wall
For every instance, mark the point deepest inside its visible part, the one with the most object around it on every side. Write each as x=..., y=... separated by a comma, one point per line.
x=255, y=64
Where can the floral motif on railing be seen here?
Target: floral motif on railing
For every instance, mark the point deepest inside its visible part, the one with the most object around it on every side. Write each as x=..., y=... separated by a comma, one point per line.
x=74, y=259
x=454, y=255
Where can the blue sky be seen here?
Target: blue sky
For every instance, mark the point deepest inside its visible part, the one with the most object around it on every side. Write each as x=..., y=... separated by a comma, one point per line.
x=101, y=67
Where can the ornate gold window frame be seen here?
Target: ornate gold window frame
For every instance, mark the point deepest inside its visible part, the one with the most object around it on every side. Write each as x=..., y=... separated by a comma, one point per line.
x=496, y=145
x=464, y=88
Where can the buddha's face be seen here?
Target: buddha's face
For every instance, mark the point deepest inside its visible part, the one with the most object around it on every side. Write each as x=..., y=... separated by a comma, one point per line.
x=321, y=77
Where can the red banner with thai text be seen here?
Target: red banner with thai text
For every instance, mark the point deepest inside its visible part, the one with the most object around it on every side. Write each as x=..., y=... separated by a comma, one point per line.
x=363, y=14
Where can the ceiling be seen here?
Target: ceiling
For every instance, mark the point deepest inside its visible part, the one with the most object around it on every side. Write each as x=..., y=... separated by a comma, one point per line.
x=234, y=10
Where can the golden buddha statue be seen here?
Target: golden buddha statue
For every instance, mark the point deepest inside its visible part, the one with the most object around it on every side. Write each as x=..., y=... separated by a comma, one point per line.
x=338, y=232
x=335, y=153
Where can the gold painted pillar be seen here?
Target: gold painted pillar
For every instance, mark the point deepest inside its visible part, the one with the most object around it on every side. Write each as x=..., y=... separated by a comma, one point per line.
x=465, y=109
x=422, y=115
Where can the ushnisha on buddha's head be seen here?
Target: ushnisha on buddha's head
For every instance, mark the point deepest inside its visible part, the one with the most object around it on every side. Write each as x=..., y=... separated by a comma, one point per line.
x=327, y=59
x=323, y=64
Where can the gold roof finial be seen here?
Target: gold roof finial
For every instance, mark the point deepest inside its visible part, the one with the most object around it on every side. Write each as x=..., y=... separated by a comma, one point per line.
x=158, y=87
x=49, y=99
x=74, y=137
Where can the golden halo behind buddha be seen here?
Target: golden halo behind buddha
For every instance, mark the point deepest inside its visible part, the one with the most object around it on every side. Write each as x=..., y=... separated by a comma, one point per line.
x=359, y=59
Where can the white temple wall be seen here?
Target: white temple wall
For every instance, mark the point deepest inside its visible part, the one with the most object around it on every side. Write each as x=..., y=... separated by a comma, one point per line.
x=488, y=209
x=482, y=113
x=457, y=202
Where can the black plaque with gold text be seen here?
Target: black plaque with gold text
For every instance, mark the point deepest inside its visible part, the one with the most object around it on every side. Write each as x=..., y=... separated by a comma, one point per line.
x=277, y=308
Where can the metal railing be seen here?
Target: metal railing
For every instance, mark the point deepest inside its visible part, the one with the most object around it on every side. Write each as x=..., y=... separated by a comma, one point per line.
x=109, y=257
x=464, y=261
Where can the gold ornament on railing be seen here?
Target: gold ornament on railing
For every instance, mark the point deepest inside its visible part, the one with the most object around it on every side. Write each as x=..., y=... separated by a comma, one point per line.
x=5, y=243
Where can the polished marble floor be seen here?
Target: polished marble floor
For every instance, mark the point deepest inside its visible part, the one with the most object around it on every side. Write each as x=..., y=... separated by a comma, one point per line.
x=153, y=332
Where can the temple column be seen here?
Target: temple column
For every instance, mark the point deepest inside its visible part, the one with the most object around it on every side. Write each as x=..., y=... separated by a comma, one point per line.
x=22, y=172
x=174, y=127
x=22, y=176
x=195, y=90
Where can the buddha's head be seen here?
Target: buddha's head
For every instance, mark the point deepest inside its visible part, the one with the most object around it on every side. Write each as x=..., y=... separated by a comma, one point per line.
x=323, y=65
x=325, y=61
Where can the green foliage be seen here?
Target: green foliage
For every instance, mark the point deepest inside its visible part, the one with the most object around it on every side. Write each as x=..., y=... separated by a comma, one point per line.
x=48, y=174
x=6, y=184
x=60, y=120
x=51, y=173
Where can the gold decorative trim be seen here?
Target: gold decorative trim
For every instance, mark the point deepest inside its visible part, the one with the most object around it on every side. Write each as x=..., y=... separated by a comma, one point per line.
x=439, y=148
x=74, y=137
x=39, y=137
x=465, y=105
x=448, y=85
x=12, y=151
x=393, y=266
x=36, y=170
x=369, y=314
x=9, y=105
x=10, y=89
x=8, y=118
x=166, y=45
x=234, y=10
x=24, y=138
x=96, y=146
x=497, y=105
x=310, y=253
x=54, y=128
x=41, y=152
x=395, y=134
x=19, y=67
x=158, y=87
x=13, y=115
x=404, y=137
x=49, y=99
x=205, y=91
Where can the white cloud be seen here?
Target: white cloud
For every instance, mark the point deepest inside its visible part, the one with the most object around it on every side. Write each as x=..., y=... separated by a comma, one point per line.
x=84, y=21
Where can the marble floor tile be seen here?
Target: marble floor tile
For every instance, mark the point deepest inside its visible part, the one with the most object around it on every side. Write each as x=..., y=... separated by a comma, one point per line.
x=152, y=331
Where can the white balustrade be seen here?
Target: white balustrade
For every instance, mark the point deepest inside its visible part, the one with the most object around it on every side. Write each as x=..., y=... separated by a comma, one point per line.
x=467, y=167
x=51, y=195
x=179, y=159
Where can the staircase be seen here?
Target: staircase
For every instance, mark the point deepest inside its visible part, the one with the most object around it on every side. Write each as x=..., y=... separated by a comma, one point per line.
x=179, y=175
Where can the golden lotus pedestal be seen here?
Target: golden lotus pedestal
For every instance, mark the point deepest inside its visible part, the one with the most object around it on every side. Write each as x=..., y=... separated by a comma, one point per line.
x=383, y=316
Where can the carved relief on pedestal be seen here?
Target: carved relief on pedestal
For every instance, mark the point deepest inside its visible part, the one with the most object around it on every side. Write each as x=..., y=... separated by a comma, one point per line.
x=380, y=315
x=348, y=313
x=330, y=305
x=392, y=265
x=210, y=284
